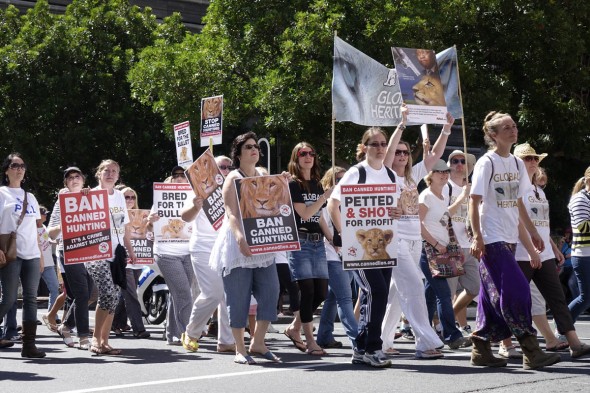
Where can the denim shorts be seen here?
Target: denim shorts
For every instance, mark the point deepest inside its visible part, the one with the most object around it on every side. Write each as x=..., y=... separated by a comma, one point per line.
x=309, y=262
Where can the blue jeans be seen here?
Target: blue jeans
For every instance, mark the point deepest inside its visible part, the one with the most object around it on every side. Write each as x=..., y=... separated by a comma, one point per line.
x=241, y=283
x=10, y=325
x=28, y=272
x=581, y=267
x=439, y=287
x=50, y=277
x=339, y=293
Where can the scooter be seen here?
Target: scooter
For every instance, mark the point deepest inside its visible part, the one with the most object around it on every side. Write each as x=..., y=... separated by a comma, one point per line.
x=152, y=292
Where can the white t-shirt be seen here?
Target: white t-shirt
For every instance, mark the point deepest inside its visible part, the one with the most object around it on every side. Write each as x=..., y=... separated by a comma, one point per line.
x=499, y=210
x=352, y=177
x=538, y=210
x=459, y=219
x=437, y=217
x=409, y=223
x=11, y=207
x=54, y=221
x=203, y=235
x=45, y=245
x=331, y=254
x=281, y=257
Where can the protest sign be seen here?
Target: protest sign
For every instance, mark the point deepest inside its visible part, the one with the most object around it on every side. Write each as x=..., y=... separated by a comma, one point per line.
x=169, y=200
x=268, y=220
x=420, y=84
x=85, y=226
x=184, y=149
x=368, y=231
x=211, y=120
x=207, y=181
x=142, y=240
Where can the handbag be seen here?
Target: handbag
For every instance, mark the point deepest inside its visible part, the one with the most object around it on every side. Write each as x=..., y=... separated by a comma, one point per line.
x=448, y=264
x=119, y=264
x=8, y=240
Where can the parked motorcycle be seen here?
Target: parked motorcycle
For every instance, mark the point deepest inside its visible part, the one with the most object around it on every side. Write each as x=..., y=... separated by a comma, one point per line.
x=152, y=292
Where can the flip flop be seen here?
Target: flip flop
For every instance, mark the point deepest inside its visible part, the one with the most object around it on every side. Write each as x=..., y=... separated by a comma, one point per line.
x=96, y=351
x=561, y=346
x=51, y=326
x=108, y=350
x=298, y=344
x=268, y=356
x=316, y=352
x=66, y=336
x=391, y=351
x=241, y=359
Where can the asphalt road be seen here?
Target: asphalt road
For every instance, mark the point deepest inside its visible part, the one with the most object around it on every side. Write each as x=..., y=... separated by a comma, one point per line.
x=152, y=366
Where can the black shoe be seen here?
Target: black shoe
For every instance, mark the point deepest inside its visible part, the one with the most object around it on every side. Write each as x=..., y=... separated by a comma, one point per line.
x=333, y=344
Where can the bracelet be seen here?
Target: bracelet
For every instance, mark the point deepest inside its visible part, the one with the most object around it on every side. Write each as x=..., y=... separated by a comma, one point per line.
x=447, y=133
x=401, y=126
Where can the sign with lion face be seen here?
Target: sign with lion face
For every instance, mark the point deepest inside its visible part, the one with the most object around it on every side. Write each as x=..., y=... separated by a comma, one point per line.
x=368, y=231
x=211, y=120
x=207, y=181
x=169, y=200
x=142, y=240
x=184, y=149
x=421, y=85
x=267, y=213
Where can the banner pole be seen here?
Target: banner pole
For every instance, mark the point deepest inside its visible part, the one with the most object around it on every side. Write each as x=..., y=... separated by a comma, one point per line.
x=334, y=131
x=462, y=111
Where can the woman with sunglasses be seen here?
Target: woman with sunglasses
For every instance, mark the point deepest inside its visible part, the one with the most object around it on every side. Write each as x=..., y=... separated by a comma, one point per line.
x=374, y=283
x=245, y=274
x=26, y=269
x=547, y=287
x=339, y=299
x=495, y=210
x=404, y=296
x=308, y=266
x=174, y=261
x=435, y=212
x=77, y=281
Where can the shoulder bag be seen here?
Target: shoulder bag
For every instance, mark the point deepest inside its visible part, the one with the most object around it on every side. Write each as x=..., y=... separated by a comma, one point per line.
x=449, y=264
x=8, y=240
x=119, y=263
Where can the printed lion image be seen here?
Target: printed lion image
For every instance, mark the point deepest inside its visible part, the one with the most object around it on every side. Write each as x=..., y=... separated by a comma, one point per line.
x=183, y=153
x=263, y=196
x=138, y=223
x=212, y=107
x=174, y=229
x=408, y=201
x=429, y=91
x=202, y=176
x=374, y=242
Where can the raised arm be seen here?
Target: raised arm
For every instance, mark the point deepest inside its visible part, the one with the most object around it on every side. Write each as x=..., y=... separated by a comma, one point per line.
x=395, y=138
x=439, y=146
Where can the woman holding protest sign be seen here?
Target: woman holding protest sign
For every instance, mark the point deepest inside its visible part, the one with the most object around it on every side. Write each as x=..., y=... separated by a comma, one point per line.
x=107, y=175
x=309, y=267
x=19, y=211
x=374, y=283
x=245, y=274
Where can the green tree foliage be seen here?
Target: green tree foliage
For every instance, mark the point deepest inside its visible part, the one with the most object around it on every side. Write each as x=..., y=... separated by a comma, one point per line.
x=65, y=98
x=272, y=59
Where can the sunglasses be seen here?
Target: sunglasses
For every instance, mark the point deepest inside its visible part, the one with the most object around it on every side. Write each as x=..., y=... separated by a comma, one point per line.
x=131, y=197
x=226, y=167
x=178, y=174
x=531, y=158
x=16, y=165
x=249, y=146
x=445, y=172
x=43, y=212
x=72, y=177
x=377, y=144
x=305, y=153
x=456, y=161
x=402, y=153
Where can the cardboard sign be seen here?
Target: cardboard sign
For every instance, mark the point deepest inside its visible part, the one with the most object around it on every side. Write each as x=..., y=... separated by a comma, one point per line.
x=142, y=240
x=268, y=220
x=207, y=182
x=184, y=149
x=169, y=200
x=86, y=226
x=211, y=120
x=420, y=84
x=368, y=231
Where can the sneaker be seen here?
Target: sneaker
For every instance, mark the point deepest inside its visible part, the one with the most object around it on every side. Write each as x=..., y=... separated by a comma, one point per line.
x=560, y=337
x=373, y=359
x=357, y=357
x=407, y=335
x=271, y=329
x=465, y=330
x=461, y=342
x=509, y=352
x=381, y=355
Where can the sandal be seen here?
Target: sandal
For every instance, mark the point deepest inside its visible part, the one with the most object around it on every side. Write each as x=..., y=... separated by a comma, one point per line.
x=241, y=359
x=316, y=352
x=391, y=351
x=268, y=355
x=188, y=343
x=298, y=343
x=561, y=345
x=51, y=326
x=84, y=344
x=96, y=351
x=66, y=335
x=108, y=350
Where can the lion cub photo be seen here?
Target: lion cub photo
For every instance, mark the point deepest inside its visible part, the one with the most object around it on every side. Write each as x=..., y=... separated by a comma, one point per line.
x=174, y=229
x=374, y=242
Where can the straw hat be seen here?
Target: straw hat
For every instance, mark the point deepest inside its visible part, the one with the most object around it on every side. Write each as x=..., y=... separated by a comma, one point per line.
x=470, y=159
x=525, y=150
